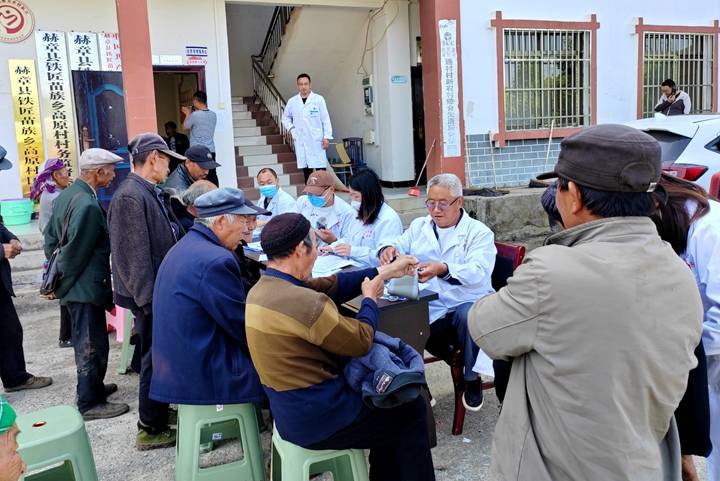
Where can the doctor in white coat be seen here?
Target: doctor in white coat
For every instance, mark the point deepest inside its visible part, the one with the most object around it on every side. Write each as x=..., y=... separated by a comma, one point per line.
x=329, y=215
x=375, y=224
x=306, y=118
x=457, y=257
x=272, y=197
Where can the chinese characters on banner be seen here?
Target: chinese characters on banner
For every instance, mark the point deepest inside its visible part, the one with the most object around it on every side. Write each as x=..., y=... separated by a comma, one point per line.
x=449, y=88
x=110, y=52
x=56, y=100
x=28, y=132
x=83, y=48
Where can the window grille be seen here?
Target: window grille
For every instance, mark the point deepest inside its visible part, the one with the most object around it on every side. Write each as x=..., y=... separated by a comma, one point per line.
x=687, y=58
x=547, y=77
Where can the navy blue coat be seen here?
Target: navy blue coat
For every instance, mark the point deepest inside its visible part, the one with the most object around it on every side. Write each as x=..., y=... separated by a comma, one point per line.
x=200, y=353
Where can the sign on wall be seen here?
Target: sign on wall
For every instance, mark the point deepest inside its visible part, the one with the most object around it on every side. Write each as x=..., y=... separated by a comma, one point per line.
x=26, y=110
x=83, y=50
x=110, y=60
x=56, y=98
x=449, y=88
x=16, y=21
x=196, y=55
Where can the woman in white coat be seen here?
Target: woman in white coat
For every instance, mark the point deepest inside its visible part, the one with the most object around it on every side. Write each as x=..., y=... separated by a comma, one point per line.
x=272, y=197
x=690, y=222
x=376, y=223
x=306, y=118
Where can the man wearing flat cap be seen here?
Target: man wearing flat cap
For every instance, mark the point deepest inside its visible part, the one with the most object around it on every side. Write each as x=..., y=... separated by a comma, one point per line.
x=300, y=343
x=200, y=352
x=13, y=373
x=600, y=360
x=196, y=167
x=78, y=225
x=143, y=228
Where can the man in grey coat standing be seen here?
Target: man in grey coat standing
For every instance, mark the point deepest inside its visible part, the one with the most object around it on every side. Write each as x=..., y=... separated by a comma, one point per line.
x=142, y=230
x=602, y=323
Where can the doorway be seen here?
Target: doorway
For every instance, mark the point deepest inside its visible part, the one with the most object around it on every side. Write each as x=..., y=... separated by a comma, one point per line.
x=418, y=113
x=174, y=88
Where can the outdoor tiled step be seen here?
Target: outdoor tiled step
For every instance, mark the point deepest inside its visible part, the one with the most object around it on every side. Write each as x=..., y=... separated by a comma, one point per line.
x=239, y=108
x=256, y=140
x=274, y=139
x=246, y=131
x=242, y=116
x=243, y=123
x=253, y=150
x=287, y=168
x=265, y=159
x=261, y=114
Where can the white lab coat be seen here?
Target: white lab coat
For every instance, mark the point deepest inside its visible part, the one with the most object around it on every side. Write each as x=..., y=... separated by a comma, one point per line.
x=281, y=203
x=365, y=239
x=338, y=217
x=703, y=256
x=469, y=254
x=310, y=124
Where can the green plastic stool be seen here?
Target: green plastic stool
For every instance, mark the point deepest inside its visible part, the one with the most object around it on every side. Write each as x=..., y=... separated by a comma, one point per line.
x=126, y=353
x=293, y=463
x=55, y=446
x=205, y=424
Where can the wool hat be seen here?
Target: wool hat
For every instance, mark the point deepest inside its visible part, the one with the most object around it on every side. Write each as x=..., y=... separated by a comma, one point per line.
x=610, y=158
x=283, y=233
x=7, y=415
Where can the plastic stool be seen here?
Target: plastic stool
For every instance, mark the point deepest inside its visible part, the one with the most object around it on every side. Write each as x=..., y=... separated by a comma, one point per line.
x=204, y=424
x=293, y=463
x=126, y=353
x=54, y=442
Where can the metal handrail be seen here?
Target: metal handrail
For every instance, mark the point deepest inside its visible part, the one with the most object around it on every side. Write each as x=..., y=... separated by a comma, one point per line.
x=273, y=37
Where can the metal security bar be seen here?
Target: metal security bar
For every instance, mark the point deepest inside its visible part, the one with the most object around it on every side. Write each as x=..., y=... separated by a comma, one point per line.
x=547, y=78
x=687, y=58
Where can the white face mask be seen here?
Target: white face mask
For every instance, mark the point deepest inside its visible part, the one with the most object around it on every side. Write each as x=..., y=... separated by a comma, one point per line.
x=355, y=204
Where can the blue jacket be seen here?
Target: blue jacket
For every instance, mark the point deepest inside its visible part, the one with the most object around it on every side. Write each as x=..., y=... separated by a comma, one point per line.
x=389, y=375
x=200, y=353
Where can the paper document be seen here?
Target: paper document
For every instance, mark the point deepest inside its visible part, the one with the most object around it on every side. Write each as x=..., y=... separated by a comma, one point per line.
x=330, y=264
x=255, y=246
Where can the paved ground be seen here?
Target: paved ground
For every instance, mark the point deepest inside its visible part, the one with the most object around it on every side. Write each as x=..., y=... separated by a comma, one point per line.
x=457, y=458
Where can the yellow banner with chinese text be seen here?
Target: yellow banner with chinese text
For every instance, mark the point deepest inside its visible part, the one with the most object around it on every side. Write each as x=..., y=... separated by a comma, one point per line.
x=28, y=129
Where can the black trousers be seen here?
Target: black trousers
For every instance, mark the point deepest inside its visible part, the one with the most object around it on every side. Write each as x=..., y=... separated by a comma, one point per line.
x=309, y=170
x=12, y=357
x=153, y=414
x=91, y=346
x=65, y=324
x=397, y=439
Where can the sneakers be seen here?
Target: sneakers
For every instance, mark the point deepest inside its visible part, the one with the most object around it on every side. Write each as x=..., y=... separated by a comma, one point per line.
x=146, y=441
x=66, y=343
x=473, y=397
x=105, y=411
x=33, y=382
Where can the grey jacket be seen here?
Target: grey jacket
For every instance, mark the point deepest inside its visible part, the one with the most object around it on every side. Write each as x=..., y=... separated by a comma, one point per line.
x=178, y=181
x=602, y=323
x=141, y=234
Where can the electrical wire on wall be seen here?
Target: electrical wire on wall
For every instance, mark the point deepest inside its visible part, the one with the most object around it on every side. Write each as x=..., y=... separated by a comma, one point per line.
x=372, y=16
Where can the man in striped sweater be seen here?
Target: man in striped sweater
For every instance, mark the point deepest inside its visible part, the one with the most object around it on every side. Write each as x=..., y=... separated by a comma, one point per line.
x=299, y=343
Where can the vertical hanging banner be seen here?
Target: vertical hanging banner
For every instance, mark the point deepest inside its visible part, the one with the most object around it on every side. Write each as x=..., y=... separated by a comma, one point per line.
x=28, y=131
x=83, y=49
x=110, y=52
x=449, y=88
x=56, y=99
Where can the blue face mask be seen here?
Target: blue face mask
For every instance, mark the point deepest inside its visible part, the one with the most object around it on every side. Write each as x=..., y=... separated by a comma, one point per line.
x=268, y=191
x=316, y=200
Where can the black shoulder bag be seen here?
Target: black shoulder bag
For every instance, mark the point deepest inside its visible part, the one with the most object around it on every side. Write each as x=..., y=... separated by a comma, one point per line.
x=50, y=273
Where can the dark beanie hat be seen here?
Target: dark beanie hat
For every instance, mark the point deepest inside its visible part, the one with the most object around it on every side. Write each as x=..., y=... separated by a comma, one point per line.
x=283, y=233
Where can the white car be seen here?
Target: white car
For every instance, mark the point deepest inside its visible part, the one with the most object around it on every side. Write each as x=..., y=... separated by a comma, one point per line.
x=690, y=144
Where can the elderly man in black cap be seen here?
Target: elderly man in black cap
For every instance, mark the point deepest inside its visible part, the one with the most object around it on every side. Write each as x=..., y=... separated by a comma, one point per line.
x=300, y=343
x=143, y=228
x=600, y=357
x=196, y=167
x=13, y=374
x=200, y=353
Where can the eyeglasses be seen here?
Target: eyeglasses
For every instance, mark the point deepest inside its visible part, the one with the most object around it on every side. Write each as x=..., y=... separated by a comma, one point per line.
x=442, y=205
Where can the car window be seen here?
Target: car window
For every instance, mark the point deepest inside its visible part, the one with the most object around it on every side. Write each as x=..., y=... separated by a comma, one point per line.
x=672, y=145
x=714, y=145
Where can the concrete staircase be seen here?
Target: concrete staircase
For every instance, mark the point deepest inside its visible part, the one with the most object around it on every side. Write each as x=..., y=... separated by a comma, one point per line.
x=258, y=144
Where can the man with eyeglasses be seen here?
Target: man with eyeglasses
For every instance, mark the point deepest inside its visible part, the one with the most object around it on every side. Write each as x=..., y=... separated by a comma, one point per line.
x=457, y=257
x=143, y=228
x=207, y=323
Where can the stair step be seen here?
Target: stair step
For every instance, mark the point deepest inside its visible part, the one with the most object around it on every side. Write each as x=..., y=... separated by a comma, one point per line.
x=280, y=169
x=251, y=160
x=242, y=116
x=28, y=260
x=256, y=140
x=250, y=150
x=236, y=108
x=240, y=123
x=247, y=131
